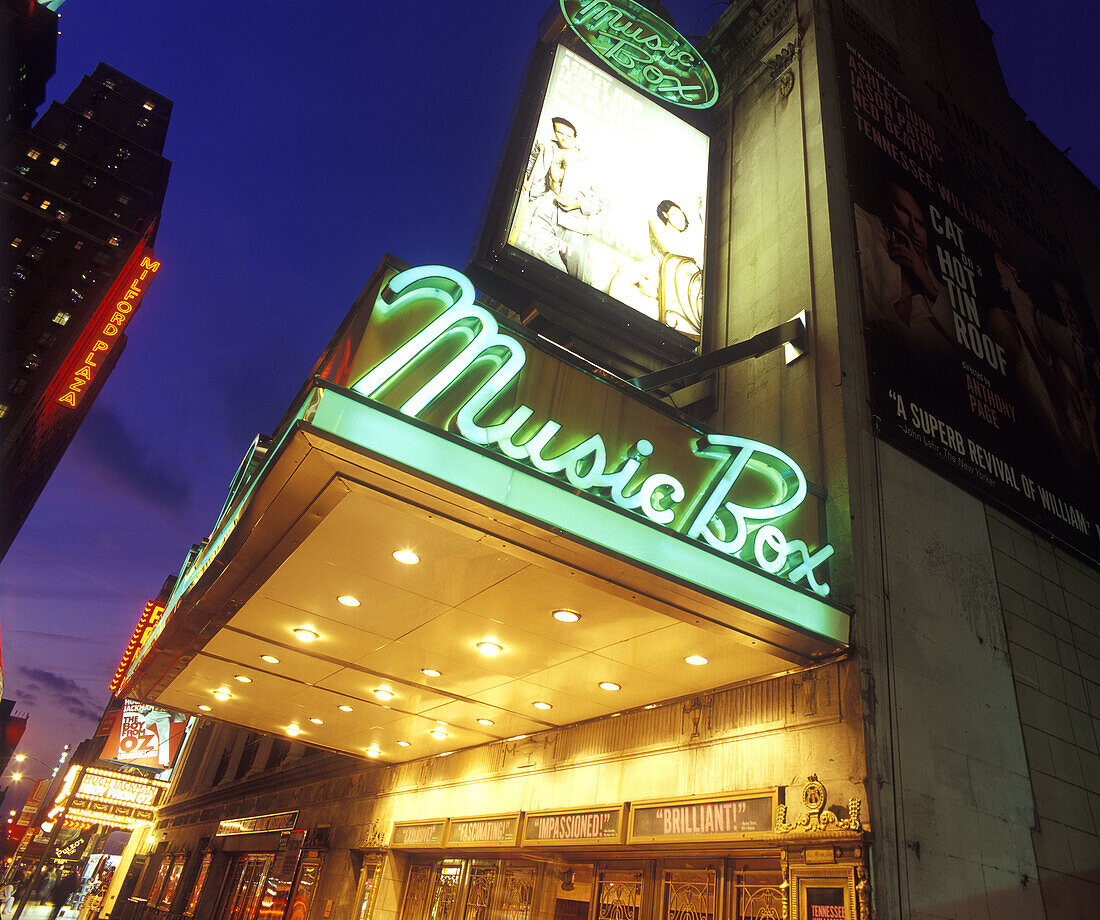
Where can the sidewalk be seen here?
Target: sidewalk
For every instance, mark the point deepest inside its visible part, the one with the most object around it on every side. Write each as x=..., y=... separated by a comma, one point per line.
x=42, y=911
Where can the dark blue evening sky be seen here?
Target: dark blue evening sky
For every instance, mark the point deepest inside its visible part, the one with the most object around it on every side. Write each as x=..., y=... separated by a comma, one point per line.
x=307, y=140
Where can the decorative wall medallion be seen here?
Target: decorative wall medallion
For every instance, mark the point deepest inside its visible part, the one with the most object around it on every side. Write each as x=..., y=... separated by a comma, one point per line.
x=816, y=818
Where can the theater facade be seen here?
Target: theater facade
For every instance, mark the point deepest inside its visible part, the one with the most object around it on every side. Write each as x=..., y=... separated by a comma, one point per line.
x=731, y=556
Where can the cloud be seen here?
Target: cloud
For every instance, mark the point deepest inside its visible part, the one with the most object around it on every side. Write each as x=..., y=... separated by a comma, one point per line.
x=67, y=693
x=127, y=459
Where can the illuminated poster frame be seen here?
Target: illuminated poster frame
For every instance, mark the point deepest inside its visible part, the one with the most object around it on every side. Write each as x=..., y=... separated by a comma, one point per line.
x=554, y=300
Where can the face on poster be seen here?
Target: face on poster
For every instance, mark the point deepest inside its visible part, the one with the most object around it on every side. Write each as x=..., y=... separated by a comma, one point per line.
x=145, y=736
x=614, y=194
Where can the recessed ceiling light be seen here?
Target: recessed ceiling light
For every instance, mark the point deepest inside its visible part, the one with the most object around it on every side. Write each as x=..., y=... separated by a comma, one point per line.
x=615, y=715
x=316, y=721
x=440, y=722
x=406, y=557
x=206, y=708
x=242, y=678
x=609, y=685
x=438, y=733
x=650, y=706
x=222, y=694
x=695, y=659
x=517, y=737
x=344, y=708
x=383, y=693
x=489, y=648
x=566, y=616
x=348, y=601
x=305, y=634
x=484, y=721
x=446, y=753
x=373, y=752
x=541, y=704
x=292, y=730
x=403, y=743
x=431, y=672
x=270, y=659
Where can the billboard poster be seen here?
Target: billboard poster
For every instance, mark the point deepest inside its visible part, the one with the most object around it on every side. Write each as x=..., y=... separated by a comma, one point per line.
x=145, y=736
x=613, y=193
x=982, y=349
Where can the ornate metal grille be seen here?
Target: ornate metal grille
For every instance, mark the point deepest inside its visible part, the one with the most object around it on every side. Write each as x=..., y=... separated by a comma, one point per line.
x=416, y=894
x=445, y=892
x=517, y=892
x=690, y=895
x=760, y=897
x=620, y=895
x=479, y=891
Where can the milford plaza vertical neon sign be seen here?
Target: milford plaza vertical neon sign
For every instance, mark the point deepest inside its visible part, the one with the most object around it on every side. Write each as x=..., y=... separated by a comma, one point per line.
x=107, y=326
x=491, y=362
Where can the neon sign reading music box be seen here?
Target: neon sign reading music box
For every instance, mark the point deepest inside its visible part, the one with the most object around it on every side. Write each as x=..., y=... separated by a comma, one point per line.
x=429, y=352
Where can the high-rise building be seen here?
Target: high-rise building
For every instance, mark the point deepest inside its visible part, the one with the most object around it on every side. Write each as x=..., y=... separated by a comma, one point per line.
x=486, y=629
x=28, y=56
x=81, y=194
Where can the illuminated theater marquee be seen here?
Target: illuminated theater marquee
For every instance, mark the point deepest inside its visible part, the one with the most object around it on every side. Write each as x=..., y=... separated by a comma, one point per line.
x=644, y=49
x=721, y=466
x=107, y=334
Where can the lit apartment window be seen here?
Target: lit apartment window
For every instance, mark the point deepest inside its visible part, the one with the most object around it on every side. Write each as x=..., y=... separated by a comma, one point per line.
x=89, y=180
x=79, y=244
x=76, y=295
x=4, y=409
x=61, y=318
x=88, y=113
x=115, y=215
x=19, y=273
x=110, y=84
x=45, y=204
x=142, y=123
x=32, y=361
x=148, y=106
x=35, y=252
x=55, y=161
x=16, y=241
x=51, y=234
x=123, y=199
x=63, y=216
x=113, y=241
x=62, y=145
x=123, y=153
x=34, y=154
x=26, y=196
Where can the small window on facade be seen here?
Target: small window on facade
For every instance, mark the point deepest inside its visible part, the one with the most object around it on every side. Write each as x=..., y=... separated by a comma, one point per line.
x=22, y=170
x=89, y=180
x=16, y=240
x=63, y=216
x=62, y=145
x=123, y=153
x=110, y=84
x=61, y=318
x=113, y=241
x=88, y=113
x=18, y=385
x=123, y=199
x=115, y=215
x=35, y=252
x=19, y=273
x=76, y=295
x=32, y=362
x=148, y=106
x=51, y=234
x=48, y=339
x=55, y=160
x=26, y=196
x=45, y=204
x=101, y=258
x=79, y=244
x=142, y=123
x=34, y=154
x=4, y=409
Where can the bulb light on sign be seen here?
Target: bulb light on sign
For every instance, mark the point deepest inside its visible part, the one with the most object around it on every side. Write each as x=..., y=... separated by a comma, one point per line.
x=708, y=514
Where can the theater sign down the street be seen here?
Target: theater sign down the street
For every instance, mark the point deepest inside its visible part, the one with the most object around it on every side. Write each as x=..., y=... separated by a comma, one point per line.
x=460, y=533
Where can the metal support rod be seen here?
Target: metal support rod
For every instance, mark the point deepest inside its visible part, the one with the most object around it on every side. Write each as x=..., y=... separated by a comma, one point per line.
x=793, y=332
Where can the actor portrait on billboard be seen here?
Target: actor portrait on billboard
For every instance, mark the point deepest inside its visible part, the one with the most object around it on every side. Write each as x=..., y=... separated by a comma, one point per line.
x=613, y=194
x=907, y=304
